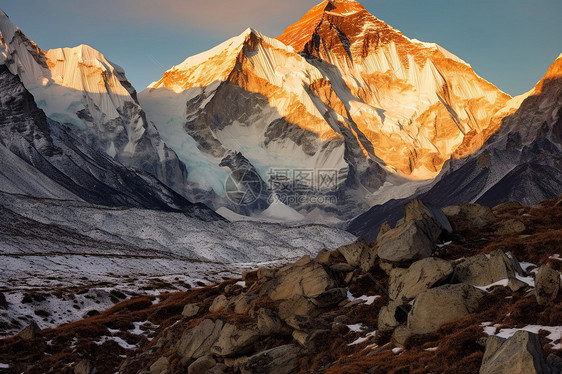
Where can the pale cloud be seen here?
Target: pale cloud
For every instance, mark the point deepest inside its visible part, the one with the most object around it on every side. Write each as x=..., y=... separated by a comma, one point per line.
x=220, y=16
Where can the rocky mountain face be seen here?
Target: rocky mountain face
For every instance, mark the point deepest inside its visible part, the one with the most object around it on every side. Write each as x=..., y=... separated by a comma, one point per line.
x=45, y=159
x=340, y=90
x=520, y=162
x=81, y=88
x=458, y=303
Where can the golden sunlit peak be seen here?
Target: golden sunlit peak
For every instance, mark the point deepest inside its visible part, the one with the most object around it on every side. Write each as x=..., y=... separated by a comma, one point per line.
x=343, y=6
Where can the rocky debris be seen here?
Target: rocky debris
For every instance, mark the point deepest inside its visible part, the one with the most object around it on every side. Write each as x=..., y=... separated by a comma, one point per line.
x=219, y=303
x=469, y=216
x=400, y=335
x=85, y=367
x=486, y=268
x=234, y=341
x=515, y=284
x=391, y=316
x=197, y=341
x=190, y=310
x=437, y=306
x=406, y=243
x=201, y=365
x=360, y=254
x=522, y=353
x=270, y=324
x=306, y=277
x=414, y=237
x=296, y=305
x=308, y=316
x=415, y=210
x=30, y=332
x=406, y=284
x=160, y=366
x=279, y=360
x=547, y=285
x=510, y=227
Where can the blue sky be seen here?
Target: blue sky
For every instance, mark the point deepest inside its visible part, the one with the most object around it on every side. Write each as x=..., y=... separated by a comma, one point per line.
x=511, y=43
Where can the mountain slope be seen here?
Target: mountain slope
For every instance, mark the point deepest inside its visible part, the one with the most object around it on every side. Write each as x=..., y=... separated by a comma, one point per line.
x=521, y=162
x=79, y=86
x=339, y=90
x=44, y=159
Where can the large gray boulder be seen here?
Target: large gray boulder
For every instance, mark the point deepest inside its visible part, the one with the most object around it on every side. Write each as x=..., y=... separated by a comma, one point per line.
x=234, y=341
x=279, y=360
x=360, y=254
x=415, y=210
x=390, y=316
x=485, y=269
x=414, y=237
x=306, y=278
x=468, y=215
x=547, y=285
x=405, y=285
x=407, y=243
x=197, y=341
x=522, y=353
x=437, y=306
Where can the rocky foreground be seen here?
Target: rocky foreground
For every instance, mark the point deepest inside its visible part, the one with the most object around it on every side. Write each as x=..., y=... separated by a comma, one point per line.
x=465, y=289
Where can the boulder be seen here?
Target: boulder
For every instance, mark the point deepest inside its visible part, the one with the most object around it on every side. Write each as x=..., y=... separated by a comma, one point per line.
x=352, y=252
x=415, y=210
x=296, y=305
x=201, y=365
x=330, y=298
x=547, y=285
x=279, y=360
x=510, y=227
x=522, y=353
x=197, y=341
x=437, y=306
x=400, y=335
x=85, y=367
x=30, y=332
x=391, y=316
x=515, y=284
x=469, y=216
x=408, y=242
x=405, y=285
x=219, y=303
x=242, y=303
x=159, y=366
x=234, y=341
x=484, y=269
x=307, y=279
x=270, y=324
x=190, y=310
